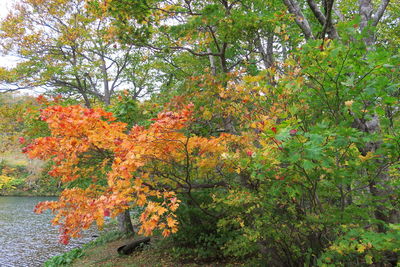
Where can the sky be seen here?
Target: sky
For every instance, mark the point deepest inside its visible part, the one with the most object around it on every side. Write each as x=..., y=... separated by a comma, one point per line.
x=5, y=6
x=10, y=61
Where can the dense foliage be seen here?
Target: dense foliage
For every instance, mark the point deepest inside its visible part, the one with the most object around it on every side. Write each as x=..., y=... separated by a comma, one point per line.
x=269, y=131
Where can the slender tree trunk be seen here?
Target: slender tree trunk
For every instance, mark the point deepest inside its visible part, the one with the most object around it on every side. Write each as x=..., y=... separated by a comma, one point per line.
x=125, y=223
x=266, y=56
x=212, y=62
x=107, y=93
x=86, y=99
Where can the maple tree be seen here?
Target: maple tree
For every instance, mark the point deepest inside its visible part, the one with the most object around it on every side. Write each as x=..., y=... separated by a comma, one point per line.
x=130, y=164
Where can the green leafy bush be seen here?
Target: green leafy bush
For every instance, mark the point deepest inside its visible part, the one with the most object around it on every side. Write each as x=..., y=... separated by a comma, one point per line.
x=64, y=259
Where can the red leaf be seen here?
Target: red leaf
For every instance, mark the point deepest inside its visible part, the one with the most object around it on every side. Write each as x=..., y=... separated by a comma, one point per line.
x=106, y=213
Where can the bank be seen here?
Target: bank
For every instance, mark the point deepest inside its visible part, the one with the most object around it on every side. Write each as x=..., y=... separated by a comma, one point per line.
x=102, y=252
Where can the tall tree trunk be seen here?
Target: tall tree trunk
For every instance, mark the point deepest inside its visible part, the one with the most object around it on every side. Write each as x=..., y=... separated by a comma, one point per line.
x=266, y=56
x=86, y=99
x=124, y=219
x=369, y=17
x=107, y=93
x=378, y=186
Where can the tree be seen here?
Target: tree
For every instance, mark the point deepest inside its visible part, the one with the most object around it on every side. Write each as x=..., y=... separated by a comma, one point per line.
x=66, y=49
x=12, y=109
x=91, y=136
x=369, y=19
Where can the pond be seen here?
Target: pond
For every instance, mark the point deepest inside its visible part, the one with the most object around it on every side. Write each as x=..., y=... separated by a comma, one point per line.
x=28, y=239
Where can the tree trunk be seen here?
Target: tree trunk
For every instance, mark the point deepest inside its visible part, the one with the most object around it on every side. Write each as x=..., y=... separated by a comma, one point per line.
x=266, y=56
x=379, y=186
x=107, y=93
x=87, y=101
x=125, y=223
x=212, y=62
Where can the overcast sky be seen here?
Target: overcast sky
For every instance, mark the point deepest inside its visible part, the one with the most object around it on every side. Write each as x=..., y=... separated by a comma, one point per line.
x=9, y=61
x=5, y=6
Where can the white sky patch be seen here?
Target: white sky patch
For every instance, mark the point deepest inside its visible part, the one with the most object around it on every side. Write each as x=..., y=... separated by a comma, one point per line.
x=6, y=60
x=9, y=61
x=5, y=6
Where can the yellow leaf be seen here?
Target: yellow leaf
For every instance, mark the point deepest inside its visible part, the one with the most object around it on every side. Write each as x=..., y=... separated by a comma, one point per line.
x=207, y=115
x=368, y=259
x=369, y=155
x=349, y=103
x=171, y=222
x=361, y=248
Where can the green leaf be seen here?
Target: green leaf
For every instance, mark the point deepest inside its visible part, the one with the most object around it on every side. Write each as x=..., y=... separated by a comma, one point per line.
x=307, y=165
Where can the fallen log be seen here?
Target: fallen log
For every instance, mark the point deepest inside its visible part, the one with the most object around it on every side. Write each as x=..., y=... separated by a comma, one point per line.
x=129, y=248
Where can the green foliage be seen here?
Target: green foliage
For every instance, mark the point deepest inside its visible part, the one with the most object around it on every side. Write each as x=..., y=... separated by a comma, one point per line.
x=197, y=237
x=362, y=246
x=46, y=184
x=65, y=259
x=126, y=109
x=12, y=177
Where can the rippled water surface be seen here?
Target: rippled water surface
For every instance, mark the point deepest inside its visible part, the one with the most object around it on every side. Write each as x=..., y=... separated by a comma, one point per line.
x=28, y=239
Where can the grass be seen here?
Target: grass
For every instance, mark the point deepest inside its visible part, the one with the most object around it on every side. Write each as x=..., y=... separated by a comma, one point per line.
x=102, y=252
x=105, y=255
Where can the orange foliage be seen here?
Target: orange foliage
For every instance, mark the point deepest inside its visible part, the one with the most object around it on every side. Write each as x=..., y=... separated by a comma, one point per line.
x=144, y=167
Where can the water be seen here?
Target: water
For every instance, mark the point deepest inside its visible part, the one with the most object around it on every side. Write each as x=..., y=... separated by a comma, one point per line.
x=28, y=239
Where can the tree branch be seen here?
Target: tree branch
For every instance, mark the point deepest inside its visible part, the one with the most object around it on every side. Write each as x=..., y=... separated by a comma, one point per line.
x=379, y=13
x=300, y=19
x=317, y=12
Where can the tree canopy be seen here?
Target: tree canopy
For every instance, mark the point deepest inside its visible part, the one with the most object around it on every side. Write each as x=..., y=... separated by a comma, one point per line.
x=257, y=130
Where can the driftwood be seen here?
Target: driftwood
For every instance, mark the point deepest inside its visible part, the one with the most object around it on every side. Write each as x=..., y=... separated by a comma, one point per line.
x=129, y=248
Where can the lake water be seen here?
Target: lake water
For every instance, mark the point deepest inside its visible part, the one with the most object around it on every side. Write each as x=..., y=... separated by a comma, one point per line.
x=28, y=239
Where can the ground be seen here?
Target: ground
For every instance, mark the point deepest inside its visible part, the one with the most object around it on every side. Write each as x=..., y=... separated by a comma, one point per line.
x=106, y=255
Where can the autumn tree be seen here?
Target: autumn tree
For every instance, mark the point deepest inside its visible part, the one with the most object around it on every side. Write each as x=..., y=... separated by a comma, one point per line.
x=64, y=48
x=146, y=167
x=12, y=109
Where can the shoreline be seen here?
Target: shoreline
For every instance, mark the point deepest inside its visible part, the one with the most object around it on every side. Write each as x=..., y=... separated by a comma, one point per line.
x=27, y=194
